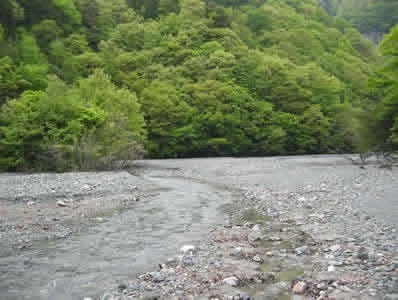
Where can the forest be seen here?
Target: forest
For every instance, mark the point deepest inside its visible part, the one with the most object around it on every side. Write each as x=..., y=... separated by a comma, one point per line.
x=88, y=83
x=370, y=16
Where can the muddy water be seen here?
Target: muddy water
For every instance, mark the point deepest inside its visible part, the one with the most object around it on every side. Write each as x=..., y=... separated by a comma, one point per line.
x=123, y=244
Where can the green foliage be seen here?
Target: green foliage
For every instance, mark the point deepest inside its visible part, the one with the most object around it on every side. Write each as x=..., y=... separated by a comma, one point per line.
x=46, y=32
x=91, y=124
x=387, y=110
x=181, y=78
x=8, y=79
x=367, y=16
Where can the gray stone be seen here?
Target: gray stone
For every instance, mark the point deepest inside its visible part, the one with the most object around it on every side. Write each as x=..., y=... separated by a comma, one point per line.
x=254, y=236
x=302, y=250
x=363, y=253
x=158, y=276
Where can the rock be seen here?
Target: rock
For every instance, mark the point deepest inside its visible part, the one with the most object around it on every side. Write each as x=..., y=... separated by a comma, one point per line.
x=302, y=250
x=335, y=248
x=61, y=203
x=363, y=253
x=145, y=277
x=298, y=297
x=121, y=287
x=108, y=297
x=257, y=259
x=326, y=276
x=331, y=268
x=244, y=252
x=266, y=277
x=188, y=248
x=188, y=261
x=151, y=296
x=335, y=263
x=254, y=236
x=232, y=281
x=241, y=296
x=158, y=276
x=256, y=228
x=269, y=253
x=172, y=262
x=300, y=287
x=322, y=285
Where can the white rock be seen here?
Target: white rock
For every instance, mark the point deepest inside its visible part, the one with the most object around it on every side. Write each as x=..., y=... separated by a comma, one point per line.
x=256, y=227
x=61, y=203
x=188, y=248
x=335, y=248
x=232, y=281
x=331, y=268
x=257, y=259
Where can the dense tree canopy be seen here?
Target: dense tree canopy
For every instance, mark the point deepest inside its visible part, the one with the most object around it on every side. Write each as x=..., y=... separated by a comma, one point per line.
x=87, y=82
x=387, y=81
x=370, y=16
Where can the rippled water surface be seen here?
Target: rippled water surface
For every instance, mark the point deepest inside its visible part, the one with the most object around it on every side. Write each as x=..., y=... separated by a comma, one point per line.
x=126, y=243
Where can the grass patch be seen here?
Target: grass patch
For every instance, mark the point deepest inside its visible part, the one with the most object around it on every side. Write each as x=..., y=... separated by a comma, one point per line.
x=253, y=216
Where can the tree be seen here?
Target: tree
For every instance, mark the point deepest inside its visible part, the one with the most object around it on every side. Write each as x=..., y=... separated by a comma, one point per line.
x=314, y=131
x=46, y=32
x=90, y=125
x=387, y=110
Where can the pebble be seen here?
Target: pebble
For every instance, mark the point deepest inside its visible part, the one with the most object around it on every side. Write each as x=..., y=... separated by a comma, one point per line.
x=331, y=268
x=257, y=259
x=187, y=248
x=335, y=248
x=232, y=281
x=254, y=236
x=61, y=203
x=300, y=287
x=302, y=250
x=363, y=253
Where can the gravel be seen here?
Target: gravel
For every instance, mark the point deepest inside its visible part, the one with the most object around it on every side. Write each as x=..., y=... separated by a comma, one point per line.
x=312, y=227
x=326, y=234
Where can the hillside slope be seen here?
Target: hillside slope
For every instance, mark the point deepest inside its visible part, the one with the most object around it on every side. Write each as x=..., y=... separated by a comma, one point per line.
x=207, y=78
x=373, y=18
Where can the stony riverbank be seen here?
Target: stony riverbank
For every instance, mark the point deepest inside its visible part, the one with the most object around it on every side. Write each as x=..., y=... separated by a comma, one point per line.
x=300, y=227
x=313, y=242
x=36, y=207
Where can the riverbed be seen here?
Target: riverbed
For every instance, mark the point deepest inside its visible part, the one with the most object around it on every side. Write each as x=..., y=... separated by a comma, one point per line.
x=68, y=236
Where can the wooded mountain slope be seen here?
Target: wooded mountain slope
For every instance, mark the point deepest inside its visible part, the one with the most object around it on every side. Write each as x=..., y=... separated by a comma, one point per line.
x=371, y=17
x=84, y=83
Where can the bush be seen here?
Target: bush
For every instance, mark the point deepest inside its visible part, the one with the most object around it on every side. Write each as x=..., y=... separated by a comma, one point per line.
x=91, y=125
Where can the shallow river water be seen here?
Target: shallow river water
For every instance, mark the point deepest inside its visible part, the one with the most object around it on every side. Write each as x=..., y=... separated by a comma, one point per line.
x=125, y=243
